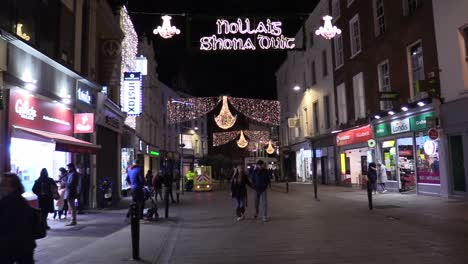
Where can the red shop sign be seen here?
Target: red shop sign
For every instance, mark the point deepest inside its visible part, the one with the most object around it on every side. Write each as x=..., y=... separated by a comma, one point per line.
x=433, y=134
x=84, y=123
x=353, y=136
x=28, y=111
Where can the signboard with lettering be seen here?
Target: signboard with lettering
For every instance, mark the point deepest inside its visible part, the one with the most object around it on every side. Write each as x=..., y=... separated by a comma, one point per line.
x=414, y=123
x=83, y=96
x=358, y=135
x=28, y=111
x=132, y=94
x=84, y=123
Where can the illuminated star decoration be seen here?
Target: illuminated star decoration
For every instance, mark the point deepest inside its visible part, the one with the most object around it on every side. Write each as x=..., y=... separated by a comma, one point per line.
x=328, y=31
x=270, y=149
x=225, y=119
x=129, y=53
x=166, y=31
x=242, y=142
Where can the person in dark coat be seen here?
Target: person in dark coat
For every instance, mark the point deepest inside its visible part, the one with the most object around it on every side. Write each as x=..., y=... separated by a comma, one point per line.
x=72, y=191
x=372, y=177
x=136, y=180
x=261, y=181
x=44, y=188
x=239, y=182
x=16, y=222
x=157, y=185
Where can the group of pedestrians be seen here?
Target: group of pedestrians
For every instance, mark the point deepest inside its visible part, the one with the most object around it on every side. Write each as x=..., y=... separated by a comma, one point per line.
x=259, y=181
x=377, y=174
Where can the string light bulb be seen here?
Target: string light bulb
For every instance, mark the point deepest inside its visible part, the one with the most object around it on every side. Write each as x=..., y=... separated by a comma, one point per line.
x=242, y=142
x=225, y=119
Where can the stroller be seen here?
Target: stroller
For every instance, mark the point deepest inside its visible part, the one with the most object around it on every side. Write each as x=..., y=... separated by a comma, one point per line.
x=152, y=212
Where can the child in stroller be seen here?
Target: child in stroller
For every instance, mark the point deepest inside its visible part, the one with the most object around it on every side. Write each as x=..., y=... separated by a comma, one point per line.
x=152, y=211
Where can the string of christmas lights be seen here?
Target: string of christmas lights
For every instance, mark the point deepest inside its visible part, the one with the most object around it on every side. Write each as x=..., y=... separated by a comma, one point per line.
x=222, y=138
x=261, y=136
x=185, y=109
x=225, y=119
x=265, y=111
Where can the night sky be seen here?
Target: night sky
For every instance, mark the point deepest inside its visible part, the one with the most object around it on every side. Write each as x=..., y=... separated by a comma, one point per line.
x=242, y=73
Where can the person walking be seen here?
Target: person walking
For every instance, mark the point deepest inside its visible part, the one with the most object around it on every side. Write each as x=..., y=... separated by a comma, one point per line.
x=157, y=186
x=168, y=182
x=71, y=191
x=136, y=180
x=381, y=176
x=261, y=181
x=239, y=181
x=149, y=178
x=45, y=189
x=372, y=177
x=17, y=241
x=63, y=182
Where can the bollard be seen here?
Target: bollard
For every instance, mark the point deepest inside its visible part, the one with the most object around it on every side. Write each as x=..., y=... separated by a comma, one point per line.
x=287, y=185
x=369, y=195
x=135, y=230
x=315, y=186
x=166, y=202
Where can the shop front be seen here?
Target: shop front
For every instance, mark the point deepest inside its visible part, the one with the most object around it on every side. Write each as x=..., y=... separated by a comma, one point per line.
x=303, y=155
x=41, y=136
x=410, y=151
x=354, y=155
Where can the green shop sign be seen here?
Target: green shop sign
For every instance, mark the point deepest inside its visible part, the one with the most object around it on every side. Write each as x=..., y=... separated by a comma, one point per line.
x=154, y=153
x=414, y=123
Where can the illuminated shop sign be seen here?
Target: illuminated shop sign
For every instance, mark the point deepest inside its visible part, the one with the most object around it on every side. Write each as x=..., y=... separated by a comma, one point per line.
x=353, y=136
x=154, y=153
x=414, y=123
x=243, y=34
x=83, y=96
x=132, y=96
x=26, y=110
x=84, y=123
x=141, y=65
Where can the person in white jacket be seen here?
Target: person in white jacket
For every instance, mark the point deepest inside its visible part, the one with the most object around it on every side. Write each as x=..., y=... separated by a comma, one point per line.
x=381, y=176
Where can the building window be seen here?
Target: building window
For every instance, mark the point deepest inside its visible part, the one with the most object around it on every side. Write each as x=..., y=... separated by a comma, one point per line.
x=316, y=117
x=416, y=67
x=379, y=17
x=314, y=77
x=336, y=9
x=324, y=63
x=355, y=35
x=187, y=141
x=383, y=70
x=359, y=99
x=410, y=6
x=326, y=111
x=339, y=55
x=305, y=122
x=342, y=111
x=465, y=36
x=311, y=39
x=350, y=2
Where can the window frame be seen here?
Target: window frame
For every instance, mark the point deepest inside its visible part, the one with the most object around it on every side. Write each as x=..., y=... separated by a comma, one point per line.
x=464, y=33
x=410, y=65
x=326, y=111
x=339, y=53
x=359, y=96
x=352, y=35
x=336, y=3
x=342, y=104
x=314, y=74
x=316, y=116
x=324, y=63
x=379, y=29
x=384, y=105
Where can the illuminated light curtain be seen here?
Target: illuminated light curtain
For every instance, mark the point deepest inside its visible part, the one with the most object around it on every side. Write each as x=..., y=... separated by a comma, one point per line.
x=242, y=142
x=222, y=138
x=261, y=136
x=185, y=109
x=270, y=149
x=252, y=147
x=264, y=111
x=225, y=119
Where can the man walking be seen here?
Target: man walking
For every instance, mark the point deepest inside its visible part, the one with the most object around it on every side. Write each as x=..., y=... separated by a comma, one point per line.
x=261, y=181
x=136, y=180
x=71, y=191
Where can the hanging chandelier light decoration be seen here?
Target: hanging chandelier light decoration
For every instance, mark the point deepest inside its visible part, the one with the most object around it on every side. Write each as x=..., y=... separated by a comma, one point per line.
x=242, y=142
x=328, y=31
x=166, y=31
x=270, y=150
x=225, y=119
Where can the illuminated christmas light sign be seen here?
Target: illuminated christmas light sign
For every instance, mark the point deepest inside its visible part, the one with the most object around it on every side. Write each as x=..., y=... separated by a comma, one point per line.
x=132, y=94
x=265, y=35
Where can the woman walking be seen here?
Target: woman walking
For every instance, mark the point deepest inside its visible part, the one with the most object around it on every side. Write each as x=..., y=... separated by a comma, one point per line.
x=45, y=189
x=239, y=181
x=382, y=176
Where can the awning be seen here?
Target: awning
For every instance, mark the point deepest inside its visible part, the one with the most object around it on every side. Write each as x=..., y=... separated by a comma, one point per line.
x=62, y=142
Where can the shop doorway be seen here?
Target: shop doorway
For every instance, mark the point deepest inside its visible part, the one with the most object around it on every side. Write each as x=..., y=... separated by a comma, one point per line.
x=352, y=165
x=457, y=163
x=406, y=164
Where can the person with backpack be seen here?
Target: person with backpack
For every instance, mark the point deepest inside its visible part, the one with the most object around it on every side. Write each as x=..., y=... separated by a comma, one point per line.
x=17, y=222
x=46, y=191
x=72, y=191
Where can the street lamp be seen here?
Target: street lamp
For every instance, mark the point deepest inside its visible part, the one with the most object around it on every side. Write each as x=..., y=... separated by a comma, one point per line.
x=296, y=88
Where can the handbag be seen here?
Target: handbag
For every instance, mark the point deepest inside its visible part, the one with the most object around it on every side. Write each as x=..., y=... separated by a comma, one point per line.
x=54, y=191
x=39, y=225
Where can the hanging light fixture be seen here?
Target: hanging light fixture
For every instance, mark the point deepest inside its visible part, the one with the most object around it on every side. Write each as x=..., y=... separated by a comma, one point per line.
x=270, y=149
x=166, y=31
x=242, y=142
x=225, y=119
x=328, y=31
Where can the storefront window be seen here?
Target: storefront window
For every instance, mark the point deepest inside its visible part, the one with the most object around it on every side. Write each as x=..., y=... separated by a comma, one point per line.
x=406, y=163
x=303, y=160
x=389, y=158
x=428, y=160
x=28, y=157
x=128, y=156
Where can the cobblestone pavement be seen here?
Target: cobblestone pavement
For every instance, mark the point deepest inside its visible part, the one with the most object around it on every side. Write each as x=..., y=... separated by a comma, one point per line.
x=336, y=229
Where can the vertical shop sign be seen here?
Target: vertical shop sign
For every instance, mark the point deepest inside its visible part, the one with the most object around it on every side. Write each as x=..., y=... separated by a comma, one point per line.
x=132, y=96
x=84, y=123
